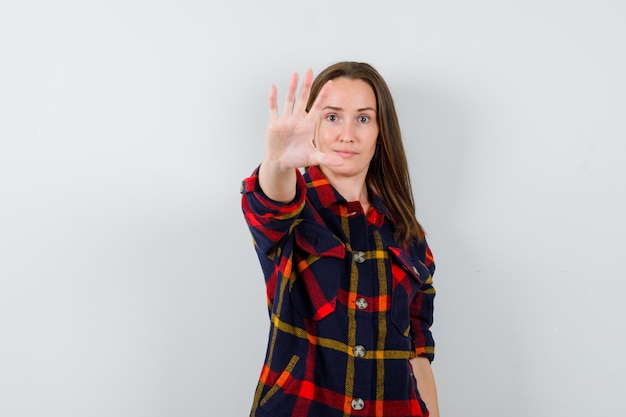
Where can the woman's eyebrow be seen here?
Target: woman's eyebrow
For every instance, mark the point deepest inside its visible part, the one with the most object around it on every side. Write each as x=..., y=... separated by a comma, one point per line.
x=334, y=108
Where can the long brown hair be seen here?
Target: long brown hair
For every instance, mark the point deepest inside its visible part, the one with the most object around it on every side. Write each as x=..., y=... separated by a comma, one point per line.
x=388, y=173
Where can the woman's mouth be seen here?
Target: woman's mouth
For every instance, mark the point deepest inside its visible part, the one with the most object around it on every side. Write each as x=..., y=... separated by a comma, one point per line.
x=345, y=153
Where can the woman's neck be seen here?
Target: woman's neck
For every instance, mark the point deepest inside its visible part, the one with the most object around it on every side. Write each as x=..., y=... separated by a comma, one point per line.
x=352, y=189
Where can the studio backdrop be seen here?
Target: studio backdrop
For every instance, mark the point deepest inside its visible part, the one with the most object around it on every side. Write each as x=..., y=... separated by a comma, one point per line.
x=129, y=286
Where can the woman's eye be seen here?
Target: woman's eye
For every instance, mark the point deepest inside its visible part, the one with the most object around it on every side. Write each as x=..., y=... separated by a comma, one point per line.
x=331, y=117
x=364, y=119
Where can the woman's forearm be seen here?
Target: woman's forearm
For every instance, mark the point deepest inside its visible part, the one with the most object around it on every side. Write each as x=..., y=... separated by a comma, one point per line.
x=426, y=384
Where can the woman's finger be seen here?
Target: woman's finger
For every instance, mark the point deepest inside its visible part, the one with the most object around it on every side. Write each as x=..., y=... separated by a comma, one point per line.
x=273, y=102
x=305, y=91
x=291, y=94
x=318, y=104
x=321, y=158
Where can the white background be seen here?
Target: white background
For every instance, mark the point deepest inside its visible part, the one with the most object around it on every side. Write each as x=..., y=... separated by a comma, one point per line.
x=128, y=281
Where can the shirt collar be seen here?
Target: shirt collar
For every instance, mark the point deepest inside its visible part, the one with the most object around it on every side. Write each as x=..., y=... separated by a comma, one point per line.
x=323, y=195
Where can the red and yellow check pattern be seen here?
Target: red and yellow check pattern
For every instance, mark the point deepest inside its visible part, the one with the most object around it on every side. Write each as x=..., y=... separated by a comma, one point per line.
x=348, y=306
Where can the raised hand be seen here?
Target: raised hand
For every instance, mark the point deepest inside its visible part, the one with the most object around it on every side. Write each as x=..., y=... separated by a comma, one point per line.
x=289, y=137
x=289, y=140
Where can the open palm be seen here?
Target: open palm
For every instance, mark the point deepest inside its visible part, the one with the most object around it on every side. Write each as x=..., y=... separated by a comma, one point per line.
x=289, y=136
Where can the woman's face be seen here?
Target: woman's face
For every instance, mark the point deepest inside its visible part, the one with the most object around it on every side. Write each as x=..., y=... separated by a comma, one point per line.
x=348, y=127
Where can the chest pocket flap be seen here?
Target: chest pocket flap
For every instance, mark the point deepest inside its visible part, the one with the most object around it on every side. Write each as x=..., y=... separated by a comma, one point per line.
x=402, y=267
x=407, y=277
x=318, y=264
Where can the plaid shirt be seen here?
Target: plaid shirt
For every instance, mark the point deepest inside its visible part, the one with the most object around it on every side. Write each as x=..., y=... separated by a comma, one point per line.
x=348, y=306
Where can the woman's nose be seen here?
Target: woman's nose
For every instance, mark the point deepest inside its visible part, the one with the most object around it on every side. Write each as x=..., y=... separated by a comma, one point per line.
x=347, y=133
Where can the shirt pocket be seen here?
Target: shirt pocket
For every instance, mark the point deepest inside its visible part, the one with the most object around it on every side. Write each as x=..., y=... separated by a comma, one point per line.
x=318, y=264
x=406, y=280
x=282, y=384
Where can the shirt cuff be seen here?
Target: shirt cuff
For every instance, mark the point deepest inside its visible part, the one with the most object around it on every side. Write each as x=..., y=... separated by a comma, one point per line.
x=260, y=204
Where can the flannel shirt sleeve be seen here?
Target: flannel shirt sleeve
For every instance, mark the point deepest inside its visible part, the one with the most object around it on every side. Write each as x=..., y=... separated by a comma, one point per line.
x=421, y=308
x=269, y=221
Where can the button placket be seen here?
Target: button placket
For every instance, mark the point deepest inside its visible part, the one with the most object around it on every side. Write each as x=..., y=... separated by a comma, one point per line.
x=359, y=351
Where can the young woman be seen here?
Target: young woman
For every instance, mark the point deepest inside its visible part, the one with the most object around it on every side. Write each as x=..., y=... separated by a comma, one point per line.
x=347, y=269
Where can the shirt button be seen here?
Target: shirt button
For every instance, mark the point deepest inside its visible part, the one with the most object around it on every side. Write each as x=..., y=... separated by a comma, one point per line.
x=358, y=404
x=359, y=257
x=416, y=272
x=359, y=351
x=361, y=303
